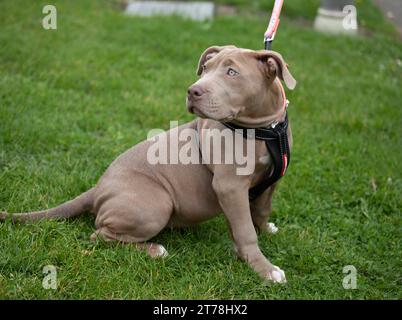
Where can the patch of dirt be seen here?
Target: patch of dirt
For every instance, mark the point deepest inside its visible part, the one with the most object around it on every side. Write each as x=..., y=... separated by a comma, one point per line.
x=392, y=10
x=225, y=10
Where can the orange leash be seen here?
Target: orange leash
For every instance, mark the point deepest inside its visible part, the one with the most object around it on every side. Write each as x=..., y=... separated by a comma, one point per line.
x=273, y=24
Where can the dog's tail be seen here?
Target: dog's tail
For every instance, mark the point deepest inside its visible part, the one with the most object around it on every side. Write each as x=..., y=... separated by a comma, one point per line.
x=69, y=209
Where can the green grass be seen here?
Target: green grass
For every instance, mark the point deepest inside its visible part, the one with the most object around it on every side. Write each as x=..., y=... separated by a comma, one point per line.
x=368, y=15
x=71, y=100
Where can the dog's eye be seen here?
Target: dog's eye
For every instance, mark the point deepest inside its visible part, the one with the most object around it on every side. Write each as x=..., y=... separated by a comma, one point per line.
x=231, y=72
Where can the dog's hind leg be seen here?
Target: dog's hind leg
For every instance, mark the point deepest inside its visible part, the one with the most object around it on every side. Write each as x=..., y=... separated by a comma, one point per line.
x=134, y=217
x=154, y=250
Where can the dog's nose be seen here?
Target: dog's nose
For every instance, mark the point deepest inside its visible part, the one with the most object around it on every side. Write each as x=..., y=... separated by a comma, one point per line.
x=195, y=91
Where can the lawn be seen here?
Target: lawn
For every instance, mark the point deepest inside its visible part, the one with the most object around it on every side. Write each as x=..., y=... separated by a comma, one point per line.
x=74, y=98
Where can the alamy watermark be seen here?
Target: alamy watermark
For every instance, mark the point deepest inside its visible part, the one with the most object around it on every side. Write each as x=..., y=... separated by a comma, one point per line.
x=350, y=20
x=204, y=146
x=350, y=280
x=49, y=21
x=50, y=279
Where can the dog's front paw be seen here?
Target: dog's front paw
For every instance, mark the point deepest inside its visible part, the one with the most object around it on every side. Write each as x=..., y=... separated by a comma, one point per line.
x=276, y=275
x=272, y=228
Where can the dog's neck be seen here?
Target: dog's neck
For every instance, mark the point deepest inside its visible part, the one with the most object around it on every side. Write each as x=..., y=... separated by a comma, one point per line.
x=271, y=109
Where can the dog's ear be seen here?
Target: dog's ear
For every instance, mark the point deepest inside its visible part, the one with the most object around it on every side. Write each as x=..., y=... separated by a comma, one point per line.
x=275, y=65
x=209, y=54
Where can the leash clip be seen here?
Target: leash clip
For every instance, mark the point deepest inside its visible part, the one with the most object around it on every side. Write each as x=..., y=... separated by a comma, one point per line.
x=274, y=124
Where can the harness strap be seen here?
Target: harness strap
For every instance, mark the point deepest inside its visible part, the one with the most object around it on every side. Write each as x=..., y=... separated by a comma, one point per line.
x=277, y=142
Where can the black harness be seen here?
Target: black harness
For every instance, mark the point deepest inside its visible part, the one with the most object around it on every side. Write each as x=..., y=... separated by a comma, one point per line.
x=276, y=140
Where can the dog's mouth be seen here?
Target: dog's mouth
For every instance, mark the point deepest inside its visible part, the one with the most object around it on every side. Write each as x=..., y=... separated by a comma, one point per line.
x=194, y=109
x=204, y=115
x=198, y=112
x=213, y=113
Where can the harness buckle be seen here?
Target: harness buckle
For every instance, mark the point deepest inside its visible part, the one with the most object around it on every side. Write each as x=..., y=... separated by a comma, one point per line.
x=274, y=124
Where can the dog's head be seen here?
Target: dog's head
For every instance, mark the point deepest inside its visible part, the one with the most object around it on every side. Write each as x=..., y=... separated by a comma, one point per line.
x=234, y=82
